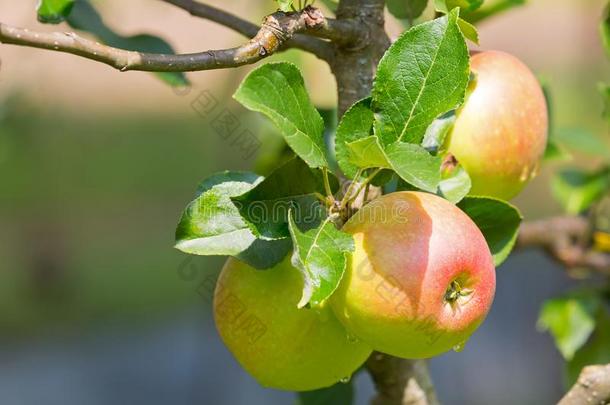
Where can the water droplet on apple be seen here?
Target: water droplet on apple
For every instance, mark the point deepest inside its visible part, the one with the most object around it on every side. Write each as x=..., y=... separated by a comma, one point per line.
x=525, y=174
x=535, y=170
x=459, y=347
x=346, y=379
x=352, y=338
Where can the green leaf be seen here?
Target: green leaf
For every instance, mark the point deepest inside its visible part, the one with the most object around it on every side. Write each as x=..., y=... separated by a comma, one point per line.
x=366, y=153
x=411, y=162
x=498, y=221
x=290, y=187
x=356, y=124
x=320, y=255
x=278, y=91
x=576, y=190
x=338, y=394
x=85, y=18
x=583, y=141
x=383, y=177
x=595, y=351
x=402, y=185
x=437, y=132
x=469, y=31
x=285, y=5
x=212, y=225
x=415, y=165
x=570, y=320
x=54, y=11
x=455, y=184
x=406, y=9
x=423, y=74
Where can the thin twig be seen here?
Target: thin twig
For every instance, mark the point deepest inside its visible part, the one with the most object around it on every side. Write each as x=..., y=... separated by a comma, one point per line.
x=276, y=30
x=365, y=183
x=348, y=192
x=329, y=192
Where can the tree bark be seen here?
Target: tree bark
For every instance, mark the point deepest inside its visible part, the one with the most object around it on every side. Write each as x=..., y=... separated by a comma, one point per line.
x=592, y=387
x=354, y=64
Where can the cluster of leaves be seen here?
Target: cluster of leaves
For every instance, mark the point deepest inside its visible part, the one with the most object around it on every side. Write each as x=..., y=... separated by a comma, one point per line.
x=81, y=15
x=580, y=321
x=259, y=220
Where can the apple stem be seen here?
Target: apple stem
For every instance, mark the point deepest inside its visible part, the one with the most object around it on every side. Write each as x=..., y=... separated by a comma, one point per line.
x=455, y=291
x=329, y=192
x=350, y=195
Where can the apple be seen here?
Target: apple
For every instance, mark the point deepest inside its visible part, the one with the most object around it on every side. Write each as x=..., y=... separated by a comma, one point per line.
x=281, y=346
x=421, y=278
x=500, y=132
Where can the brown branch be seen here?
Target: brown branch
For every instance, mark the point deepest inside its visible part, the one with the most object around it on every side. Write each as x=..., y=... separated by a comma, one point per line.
x=276, y=30
x=592, y=387
x=400, y=381
x=566, y=239
x=340, y=31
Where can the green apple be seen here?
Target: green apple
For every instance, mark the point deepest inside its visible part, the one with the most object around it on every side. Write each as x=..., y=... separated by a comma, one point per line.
x=421, y=278
x=283, y=347
x=501, y=130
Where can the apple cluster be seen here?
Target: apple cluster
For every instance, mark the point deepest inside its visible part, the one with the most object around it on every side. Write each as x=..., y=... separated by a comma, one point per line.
x=421, y=278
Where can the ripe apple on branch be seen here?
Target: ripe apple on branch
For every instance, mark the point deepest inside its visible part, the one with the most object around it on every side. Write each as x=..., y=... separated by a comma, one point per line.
x=417, y=276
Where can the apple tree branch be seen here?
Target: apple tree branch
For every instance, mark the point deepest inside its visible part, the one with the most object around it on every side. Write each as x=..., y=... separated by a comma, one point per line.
x=277, y=32
x=565, y=239
x=592, y=387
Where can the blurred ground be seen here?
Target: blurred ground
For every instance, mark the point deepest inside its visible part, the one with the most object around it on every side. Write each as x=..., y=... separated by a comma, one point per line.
x=96, y=166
